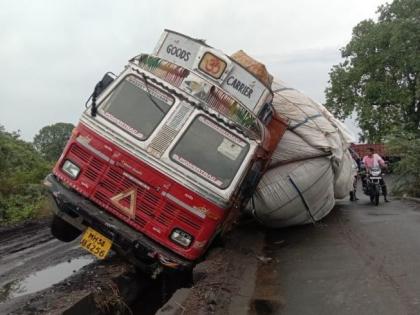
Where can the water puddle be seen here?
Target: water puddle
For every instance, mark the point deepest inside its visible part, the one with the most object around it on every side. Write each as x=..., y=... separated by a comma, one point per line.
x=42, y=279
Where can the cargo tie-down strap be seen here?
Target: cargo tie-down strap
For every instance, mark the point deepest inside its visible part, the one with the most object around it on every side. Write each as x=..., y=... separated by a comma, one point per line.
x=304, y=121
x=283, y=89
x=303, y=200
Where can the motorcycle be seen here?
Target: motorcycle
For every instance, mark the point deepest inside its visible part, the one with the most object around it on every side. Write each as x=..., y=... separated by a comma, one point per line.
x=373, y=184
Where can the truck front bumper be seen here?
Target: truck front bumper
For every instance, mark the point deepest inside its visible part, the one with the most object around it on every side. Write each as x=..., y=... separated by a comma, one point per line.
x=136, y=247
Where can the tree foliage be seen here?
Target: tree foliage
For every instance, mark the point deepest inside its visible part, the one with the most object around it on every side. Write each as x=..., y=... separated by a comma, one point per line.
x=379, y=77
x=407, y=147
x=50, y=140
x=22, y=169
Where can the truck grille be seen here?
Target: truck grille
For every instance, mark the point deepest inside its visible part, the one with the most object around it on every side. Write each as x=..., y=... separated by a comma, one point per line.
x=151, y=206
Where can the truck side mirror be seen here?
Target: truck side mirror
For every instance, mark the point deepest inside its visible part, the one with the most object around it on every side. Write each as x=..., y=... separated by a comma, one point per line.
x=106, y=80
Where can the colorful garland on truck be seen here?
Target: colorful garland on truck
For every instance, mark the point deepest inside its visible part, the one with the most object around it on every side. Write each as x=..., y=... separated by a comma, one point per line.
x=216, y=99
x=227, y=106
x=165, y=70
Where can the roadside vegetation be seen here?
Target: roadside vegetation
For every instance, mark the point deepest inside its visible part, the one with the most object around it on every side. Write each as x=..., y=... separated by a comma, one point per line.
x=379, y=81
x=22, y=169
x=408, y=169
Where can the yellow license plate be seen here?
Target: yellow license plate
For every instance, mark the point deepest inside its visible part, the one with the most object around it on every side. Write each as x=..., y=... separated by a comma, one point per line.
x=95, y=243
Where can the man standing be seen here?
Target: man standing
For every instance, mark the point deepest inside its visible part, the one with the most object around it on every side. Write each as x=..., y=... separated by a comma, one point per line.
x=374, y=160
x=356, y=169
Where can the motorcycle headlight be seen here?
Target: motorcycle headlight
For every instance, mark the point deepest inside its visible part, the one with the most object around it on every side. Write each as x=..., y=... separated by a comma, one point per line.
x=376, y=172
x=71, y=169
x=182, y=238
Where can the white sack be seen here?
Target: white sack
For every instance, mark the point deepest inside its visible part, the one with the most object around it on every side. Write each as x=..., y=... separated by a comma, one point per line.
x=313, y=132
x=344, y=177
x=279, y=202
x=292, y=147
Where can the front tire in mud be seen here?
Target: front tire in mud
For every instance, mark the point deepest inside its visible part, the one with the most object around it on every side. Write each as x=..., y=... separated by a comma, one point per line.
x=63, y=231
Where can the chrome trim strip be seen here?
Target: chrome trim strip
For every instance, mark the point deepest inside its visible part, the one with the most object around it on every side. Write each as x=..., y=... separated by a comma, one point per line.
x=84, y=142
x=184, y=205
x=136, y=181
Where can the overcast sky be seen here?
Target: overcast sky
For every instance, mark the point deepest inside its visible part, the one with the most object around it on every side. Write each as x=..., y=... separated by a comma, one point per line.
x=53, y=52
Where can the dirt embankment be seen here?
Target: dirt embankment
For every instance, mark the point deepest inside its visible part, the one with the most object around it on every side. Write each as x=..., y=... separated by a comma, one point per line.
x=224, y=282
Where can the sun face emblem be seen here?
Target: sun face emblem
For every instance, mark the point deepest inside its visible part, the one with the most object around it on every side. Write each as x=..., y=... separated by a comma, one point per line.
x=130, y=195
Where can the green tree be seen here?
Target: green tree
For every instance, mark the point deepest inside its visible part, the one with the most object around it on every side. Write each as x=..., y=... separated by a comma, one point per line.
x=379, y=77
x=407, y=147
x=21, y=172
x=50, y=140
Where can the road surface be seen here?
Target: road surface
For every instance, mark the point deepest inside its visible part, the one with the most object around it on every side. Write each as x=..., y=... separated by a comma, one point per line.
x=361, y=259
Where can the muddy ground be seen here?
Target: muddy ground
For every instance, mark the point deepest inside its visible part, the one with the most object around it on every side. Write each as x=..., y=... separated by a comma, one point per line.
x=32, y=260
x=40, y=275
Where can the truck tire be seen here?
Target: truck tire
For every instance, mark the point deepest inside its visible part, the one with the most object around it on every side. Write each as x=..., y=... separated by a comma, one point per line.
x=62, y=230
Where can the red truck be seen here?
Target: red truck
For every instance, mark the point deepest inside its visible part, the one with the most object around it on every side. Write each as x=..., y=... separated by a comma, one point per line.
x=165, y=155
x=362, y=149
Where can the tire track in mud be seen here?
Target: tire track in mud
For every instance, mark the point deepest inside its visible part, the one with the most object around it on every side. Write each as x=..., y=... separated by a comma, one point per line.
x=25, y=252
x=374, y=257
x=16, y=243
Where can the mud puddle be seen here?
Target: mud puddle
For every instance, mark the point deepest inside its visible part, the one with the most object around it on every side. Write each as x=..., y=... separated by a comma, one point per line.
x=42, y=279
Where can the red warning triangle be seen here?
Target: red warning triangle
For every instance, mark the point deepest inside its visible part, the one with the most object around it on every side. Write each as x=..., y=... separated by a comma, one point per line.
x=130, y=193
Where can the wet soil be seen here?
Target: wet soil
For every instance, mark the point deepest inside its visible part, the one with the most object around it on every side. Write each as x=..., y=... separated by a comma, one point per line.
x=224, y=281
x=42, y=279
x=41, y=275
x=32, y=260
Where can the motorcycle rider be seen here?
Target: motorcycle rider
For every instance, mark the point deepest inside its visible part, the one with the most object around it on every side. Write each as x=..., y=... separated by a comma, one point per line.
x=375, y=160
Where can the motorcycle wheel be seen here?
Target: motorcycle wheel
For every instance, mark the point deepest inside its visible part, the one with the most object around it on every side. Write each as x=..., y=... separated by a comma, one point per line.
x=372, y=194
x=376, y=197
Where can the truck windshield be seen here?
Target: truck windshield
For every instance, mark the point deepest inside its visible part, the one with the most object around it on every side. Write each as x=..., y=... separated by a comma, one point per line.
x=130, y=106
x=210, y=151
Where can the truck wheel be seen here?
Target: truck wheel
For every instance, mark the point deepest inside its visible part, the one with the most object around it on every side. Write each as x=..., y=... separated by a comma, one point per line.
x=62, y=230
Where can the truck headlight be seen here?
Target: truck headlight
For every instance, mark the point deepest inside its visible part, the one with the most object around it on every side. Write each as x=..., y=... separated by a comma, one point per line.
x=71, y=169
x=182, y=238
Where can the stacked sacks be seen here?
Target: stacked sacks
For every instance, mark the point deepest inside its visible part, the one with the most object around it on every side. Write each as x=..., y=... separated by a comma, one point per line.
x=310, y=168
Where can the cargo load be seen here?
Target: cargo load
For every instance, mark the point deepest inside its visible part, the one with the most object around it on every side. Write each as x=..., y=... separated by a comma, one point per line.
x=311, y=166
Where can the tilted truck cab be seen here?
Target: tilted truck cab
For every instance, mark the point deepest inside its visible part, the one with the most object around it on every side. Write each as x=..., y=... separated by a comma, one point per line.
x=165, y=156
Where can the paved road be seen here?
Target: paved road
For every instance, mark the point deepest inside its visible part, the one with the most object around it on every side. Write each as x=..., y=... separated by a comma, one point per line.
x=361, y=259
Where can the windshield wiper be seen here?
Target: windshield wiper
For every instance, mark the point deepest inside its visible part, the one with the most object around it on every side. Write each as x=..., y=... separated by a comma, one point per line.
x=150, y=97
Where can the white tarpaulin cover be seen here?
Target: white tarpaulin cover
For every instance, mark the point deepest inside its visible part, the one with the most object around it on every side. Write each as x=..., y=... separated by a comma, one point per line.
x=311, y=166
